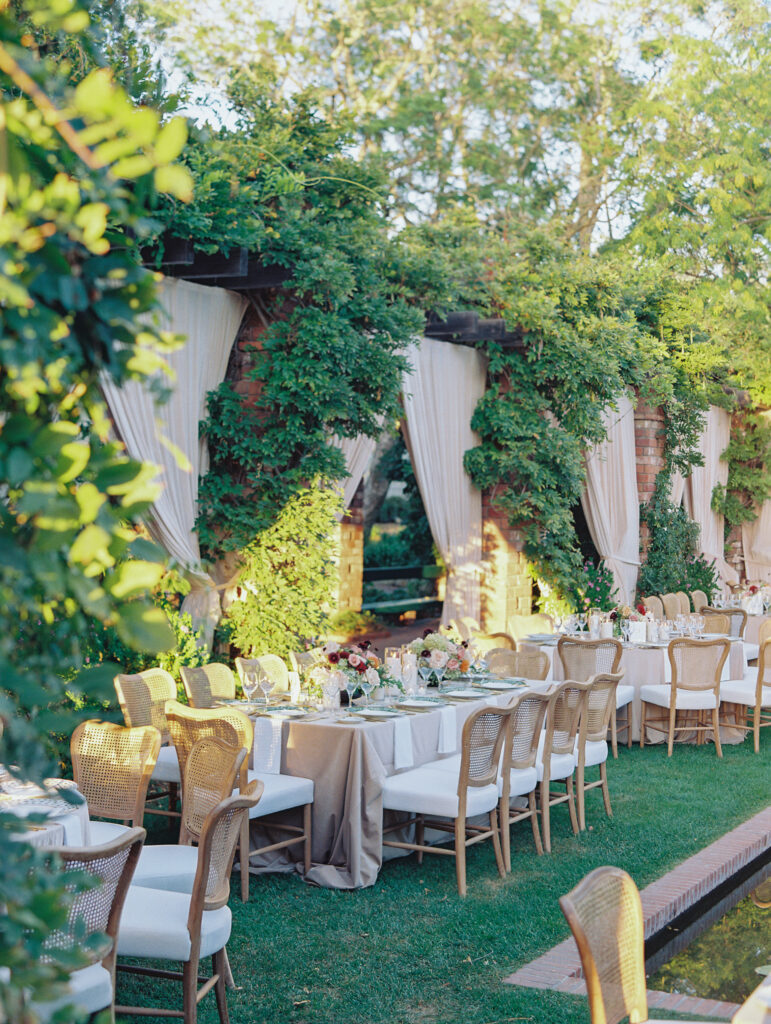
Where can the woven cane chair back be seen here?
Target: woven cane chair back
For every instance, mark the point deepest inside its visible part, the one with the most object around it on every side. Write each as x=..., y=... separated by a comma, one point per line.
x=302, y=661
x=685, y=602
x=764, y=633
x=527, y=716
x=485, y=643
x=219, y=837
x=582, y=659
x=112, y=765
x=699, y=599
x=484, y=733
x=653, y=604
x=563, y=716
x=600, y=705
x=209, y=777
x=272, y=665
x=716, y=622
x=737, y=619
x=605, y=916
x=527, y=663
x=186, y=725
x=97, y=910
x=697, y=664
x=143, y=698
x=207, y=684
x=671, y=604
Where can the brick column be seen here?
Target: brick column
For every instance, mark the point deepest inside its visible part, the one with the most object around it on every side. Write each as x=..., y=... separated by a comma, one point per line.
x=649, y=449
x=506, y=586
x=351, y=556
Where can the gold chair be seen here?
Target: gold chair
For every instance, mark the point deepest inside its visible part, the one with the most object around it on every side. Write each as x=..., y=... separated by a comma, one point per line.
x=282, y=792
x=582, y=659
x=521, y=754
x=272, y=665
x=737, y=619
x=557, y=758
x=207, y=684
x=699, y=599
x=654, y=604
x=752, y=698
x=187, y=927
x=302, y=661
x=716, y=622
x=685, y=602
x=696, y=667
x=445, y=794
x=142, y=699
x=112, y=765
x=483, y=643
x=527, y=663
x=605, y=916
x=592, y=740
x=671, y=604
x=522, y=626
x=96, y=909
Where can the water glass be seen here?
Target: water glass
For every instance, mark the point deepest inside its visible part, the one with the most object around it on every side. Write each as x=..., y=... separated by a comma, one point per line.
x=250, y=683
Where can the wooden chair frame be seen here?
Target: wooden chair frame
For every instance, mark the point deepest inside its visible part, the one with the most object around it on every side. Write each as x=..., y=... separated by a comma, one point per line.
x=206, y=684
x=549, y=798
x=654, y=604
x=737, y=619
x=507, y=815
x=594, y=728
x=199, y=902
x=685, y=602
x=671, y=603
x=465, y=833
x=667, y=722
x=271, y=664
x=737, y=715
x=699, y=600
x=625, y=724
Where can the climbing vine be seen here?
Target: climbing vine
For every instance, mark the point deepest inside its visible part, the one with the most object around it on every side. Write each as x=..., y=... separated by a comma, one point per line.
x=749, y=472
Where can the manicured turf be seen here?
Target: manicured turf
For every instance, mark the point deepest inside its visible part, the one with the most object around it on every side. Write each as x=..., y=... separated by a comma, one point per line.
x=409, y=951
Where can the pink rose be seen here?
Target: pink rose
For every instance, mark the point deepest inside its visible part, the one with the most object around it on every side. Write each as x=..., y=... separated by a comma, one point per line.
x=453, y=664
x=354, y=660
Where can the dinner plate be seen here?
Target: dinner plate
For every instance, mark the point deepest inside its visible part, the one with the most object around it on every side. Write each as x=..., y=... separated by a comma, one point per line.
x=378, y=713
x=540, y=637
x=503, y=684
x=464, y=694
x=283, y=713
x=424, y=703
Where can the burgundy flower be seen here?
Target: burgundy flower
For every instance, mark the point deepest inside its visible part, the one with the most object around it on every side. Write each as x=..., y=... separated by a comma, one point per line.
x=427, y=632
x=361, y=667
x=425, y=654
x=613, y=615
x=334, y=658
x=641, y=609
x=365, y=645
x=344, y=654
x=465, y=644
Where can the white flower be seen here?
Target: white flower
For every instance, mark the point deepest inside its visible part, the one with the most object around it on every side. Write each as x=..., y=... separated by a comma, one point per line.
x=372, y=677
x=330, y=647
x=438, y=658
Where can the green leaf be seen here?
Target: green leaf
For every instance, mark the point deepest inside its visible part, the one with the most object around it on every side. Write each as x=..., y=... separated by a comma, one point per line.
x=176, y=180
x=92, y=544
x=171, y=140
x=72, y=460
x=144, y=627
x=131, y=579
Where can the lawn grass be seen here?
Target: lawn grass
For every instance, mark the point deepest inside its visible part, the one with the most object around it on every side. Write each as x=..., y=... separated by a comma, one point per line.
x=410, y=951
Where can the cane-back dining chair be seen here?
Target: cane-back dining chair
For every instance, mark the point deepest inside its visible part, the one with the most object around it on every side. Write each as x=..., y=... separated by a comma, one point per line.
x=282, y=792
x=526, y=663
x=484, y=643
x=557, y=757
x=685, y=602
x=671, y=604
x=446, y=794
x=582, y=659
x=520, y=783
x=95, y=911
x=737, y=622
x=749, y=700
x=273, y=666
x=605, y=916
x=654, y=604
x=716, y=622
x=142, y=699
x=207, y=684
x=592, y=740
x=188, y=927
x=694, y=690
x=699, y=600
x=302, y=661
x=112, y=765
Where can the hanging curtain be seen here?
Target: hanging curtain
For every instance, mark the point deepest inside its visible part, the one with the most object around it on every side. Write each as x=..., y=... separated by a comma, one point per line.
x=677, y=488
x=357, y=451
x=441, y=391
x=700, y=485
x=209, y=318
x=610, y=500
x=756, y=538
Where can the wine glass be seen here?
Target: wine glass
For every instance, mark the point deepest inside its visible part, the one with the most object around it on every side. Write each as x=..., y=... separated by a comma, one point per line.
x=625, y=630
x=250, y=683
x=266, y=685
x=367, y=686
x=351, y=686
x=425, y=670
x=439, y=675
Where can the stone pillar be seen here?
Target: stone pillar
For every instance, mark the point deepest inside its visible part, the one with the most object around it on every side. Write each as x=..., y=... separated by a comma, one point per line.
x=506, y=586
x=351, y=558
x=649, y=449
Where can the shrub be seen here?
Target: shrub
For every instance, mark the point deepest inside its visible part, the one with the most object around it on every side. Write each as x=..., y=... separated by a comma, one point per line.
x=673, y=561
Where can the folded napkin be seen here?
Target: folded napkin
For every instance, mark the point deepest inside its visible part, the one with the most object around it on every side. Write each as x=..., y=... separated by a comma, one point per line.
x=402, y=744
x=447, y=738
x=266, y=752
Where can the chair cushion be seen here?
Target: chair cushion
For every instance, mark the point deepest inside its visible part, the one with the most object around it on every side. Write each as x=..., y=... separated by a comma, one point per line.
x=742, y=691
x=90, y=990
x=281, y=792
x=104, y=832
x=562, y=765
x=521, y=782
x=429, y=790
x=686, y=700
x=624, y=695
x=154, y=924
x=751, y=651
x=596, y=753
x=166, y=867
x=167, y=766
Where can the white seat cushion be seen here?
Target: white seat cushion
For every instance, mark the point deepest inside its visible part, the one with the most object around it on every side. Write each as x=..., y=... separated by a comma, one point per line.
x=685, y=700
x=596, y=752
x=154, y=924
x=521, y=782
x=742, y=691
x=624, y=695
x=90, y=990
x=429, y=790
x=281, y=792
x=167, y=766
x=751, y=651
x=166, y=867
x=562, y=765
x=104, y=832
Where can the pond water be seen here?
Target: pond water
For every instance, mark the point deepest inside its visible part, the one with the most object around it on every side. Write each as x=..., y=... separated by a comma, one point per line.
x=722, y=962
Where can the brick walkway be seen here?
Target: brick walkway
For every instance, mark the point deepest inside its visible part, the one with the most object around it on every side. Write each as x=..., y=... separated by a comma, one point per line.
x=663, y=900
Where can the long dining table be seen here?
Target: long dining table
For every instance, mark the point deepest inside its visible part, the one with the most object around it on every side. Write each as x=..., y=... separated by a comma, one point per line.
x=349, y=759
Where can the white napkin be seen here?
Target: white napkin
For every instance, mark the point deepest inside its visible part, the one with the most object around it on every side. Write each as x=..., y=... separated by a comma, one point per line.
x=266, y=751
x=447, y=738
x=402, y=744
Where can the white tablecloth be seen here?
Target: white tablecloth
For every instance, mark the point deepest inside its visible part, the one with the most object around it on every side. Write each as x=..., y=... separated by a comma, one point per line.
x=26, y=799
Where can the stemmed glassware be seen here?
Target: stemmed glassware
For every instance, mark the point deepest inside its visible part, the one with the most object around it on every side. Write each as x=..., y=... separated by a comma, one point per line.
x=625, y=630
x=367, y=686
x=581, y=619
x=351, y=685
x=439, y=675
x=425, y=670
x=265, y=684
x=251, y=683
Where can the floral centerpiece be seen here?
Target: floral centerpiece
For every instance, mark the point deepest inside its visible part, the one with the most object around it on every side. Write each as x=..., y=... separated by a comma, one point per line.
x=357, y=663
x=442, y=652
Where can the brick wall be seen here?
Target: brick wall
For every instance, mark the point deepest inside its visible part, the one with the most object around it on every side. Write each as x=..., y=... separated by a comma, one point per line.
x=649, y=450
x=506, y=586
x=351, y=555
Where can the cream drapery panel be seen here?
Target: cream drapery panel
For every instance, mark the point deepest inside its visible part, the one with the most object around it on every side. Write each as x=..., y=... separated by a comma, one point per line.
x=441, y=391
x=610, y=500
x=209, y=318
x=700, y=485
x=756, y=539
